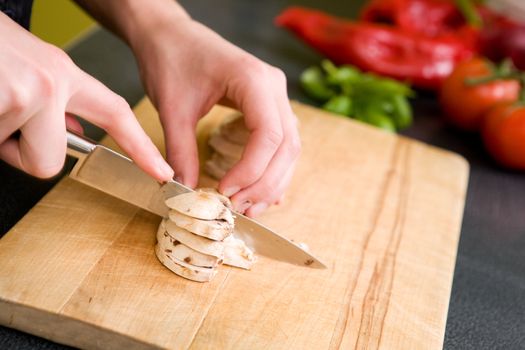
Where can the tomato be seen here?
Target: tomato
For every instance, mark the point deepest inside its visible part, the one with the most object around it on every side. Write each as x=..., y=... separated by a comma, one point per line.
x=465, y=105
x=504, y=134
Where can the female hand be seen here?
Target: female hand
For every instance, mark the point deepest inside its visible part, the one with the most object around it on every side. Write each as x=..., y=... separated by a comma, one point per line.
x=187, y=68
x=39, y=84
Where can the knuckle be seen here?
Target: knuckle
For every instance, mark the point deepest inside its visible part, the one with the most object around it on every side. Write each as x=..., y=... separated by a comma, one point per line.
x=253, y=70
x=279, y=75
x=58, y=57
x=46, y=83
x=41, y=89
x=251, y=173
x=273, y=137
x=120, y=105
x=19, y=99
x=118, y=110
x=265, y=191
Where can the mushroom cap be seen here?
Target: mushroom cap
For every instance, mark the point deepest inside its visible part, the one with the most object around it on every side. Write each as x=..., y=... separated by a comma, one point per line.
x=201, y=204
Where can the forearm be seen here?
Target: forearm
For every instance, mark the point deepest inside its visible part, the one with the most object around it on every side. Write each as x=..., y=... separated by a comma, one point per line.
x=131, y=19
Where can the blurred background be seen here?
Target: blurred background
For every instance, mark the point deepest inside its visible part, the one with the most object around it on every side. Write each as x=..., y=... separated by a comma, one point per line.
x=51, y=17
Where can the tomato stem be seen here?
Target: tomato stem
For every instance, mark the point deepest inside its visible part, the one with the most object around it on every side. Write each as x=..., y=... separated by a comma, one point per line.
x=521, y=98
x=504, y=71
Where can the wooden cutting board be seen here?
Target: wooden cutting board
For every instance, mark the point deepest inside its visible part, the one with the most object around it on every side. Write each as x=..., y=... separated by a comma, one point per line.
x=383, y=212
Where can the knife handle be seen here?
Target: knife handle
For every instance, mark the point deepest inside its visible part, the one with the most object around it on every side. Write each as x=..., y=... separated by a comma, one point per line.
x=78, y=146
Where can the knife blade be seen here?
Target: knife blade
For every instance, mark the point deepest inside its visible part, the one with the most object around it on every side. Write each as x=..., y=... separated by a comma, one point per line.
x=112, y=173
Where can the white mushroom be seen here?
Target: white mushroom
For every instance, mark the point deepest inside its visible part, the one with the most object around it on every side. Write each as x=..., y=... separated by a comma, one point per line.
x=235, y=130
x=224, y=162
x=214, y=170
x=237, y=254
x=201, y=205
x=225, y=200
x=225, y=147
x=197, y=236
x=200, y=244
x=212, y=229
x=182, y=252
x=194, y=273
x=228, y=143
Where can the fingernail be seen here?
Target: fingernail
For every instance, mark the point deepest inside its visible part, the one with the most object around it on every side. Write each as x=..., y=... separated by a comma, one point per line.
x=244, y=206
x=231, y=191
x=164, y=169
x=258, y=208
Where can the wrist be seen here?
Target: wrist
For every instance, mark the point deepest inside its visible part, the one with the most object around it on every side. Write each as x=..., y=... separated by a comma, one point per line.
x=138, y=25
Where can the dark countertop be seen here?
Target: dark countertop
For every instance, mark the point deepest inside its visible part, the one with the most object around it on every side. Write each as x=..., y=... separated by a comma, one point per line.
x=486, y=309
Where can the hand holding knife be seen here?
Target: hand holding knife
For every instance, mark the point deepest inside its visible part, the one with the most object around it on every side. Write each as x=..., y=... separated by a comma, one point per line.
x=112, y=173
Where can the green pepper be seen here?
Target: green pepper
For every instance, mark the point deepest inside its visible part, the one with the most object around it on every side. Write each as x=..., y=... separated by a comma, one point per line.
x=339, y=104
x=343, y=75
x=378, y=119
x=378, y=86
x=365, y=96
x=314, y=84
x=402, y=113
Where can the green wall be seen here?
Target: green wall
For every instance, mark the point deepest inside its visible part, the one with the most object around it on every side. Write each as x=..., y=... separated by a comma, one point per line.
x=59, y=21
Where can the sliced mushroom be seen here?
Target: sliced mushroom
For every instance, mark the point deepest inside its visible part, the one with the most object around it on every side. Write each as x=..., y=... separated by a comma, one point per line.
x=235, y=130
x=225, y=147
x=200, y=244
x=218, y=165
x=214, y=170
x=237, y=254
x=225, y=200
x=224, y=162
x=212, y=229
x=194, y=273
x=182, y=252
x=201, y=205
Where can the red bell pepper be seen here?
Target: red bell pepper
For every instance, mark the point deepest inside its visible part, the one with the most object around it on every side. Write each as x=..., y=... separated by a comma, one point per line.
x=413, y=57
x=428, y=17
x=498, y=36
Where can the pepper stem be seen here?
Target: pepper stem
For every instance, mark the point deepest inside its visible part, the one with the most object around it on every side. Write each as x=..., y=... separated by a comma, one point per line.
x=468, y=10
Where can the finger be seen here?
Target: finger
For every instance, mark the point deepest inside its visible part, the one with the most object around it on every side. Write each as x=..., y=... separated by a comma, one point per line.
x=41, y=147
x=243, y=202
x=277, y=176
x=181, y=148
x=269, y=190
x=261, y=206
x=262, y=120
x=96, y=103
x=73, y=124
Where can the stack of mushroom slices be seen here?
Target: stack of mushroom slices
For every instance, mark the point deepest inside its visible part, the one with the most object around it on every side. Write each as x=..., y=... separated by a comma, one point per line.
x=228, y=145
x=198, y=236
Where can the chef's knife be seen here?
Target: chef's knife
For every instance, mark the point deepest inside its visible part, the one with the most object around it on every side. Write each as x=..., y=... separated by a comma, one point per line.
x=110, y=172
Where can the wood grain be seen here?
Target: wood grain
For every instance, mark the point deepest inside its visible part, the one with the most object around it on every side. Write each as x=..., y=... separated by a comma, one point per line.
x=382, y=211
